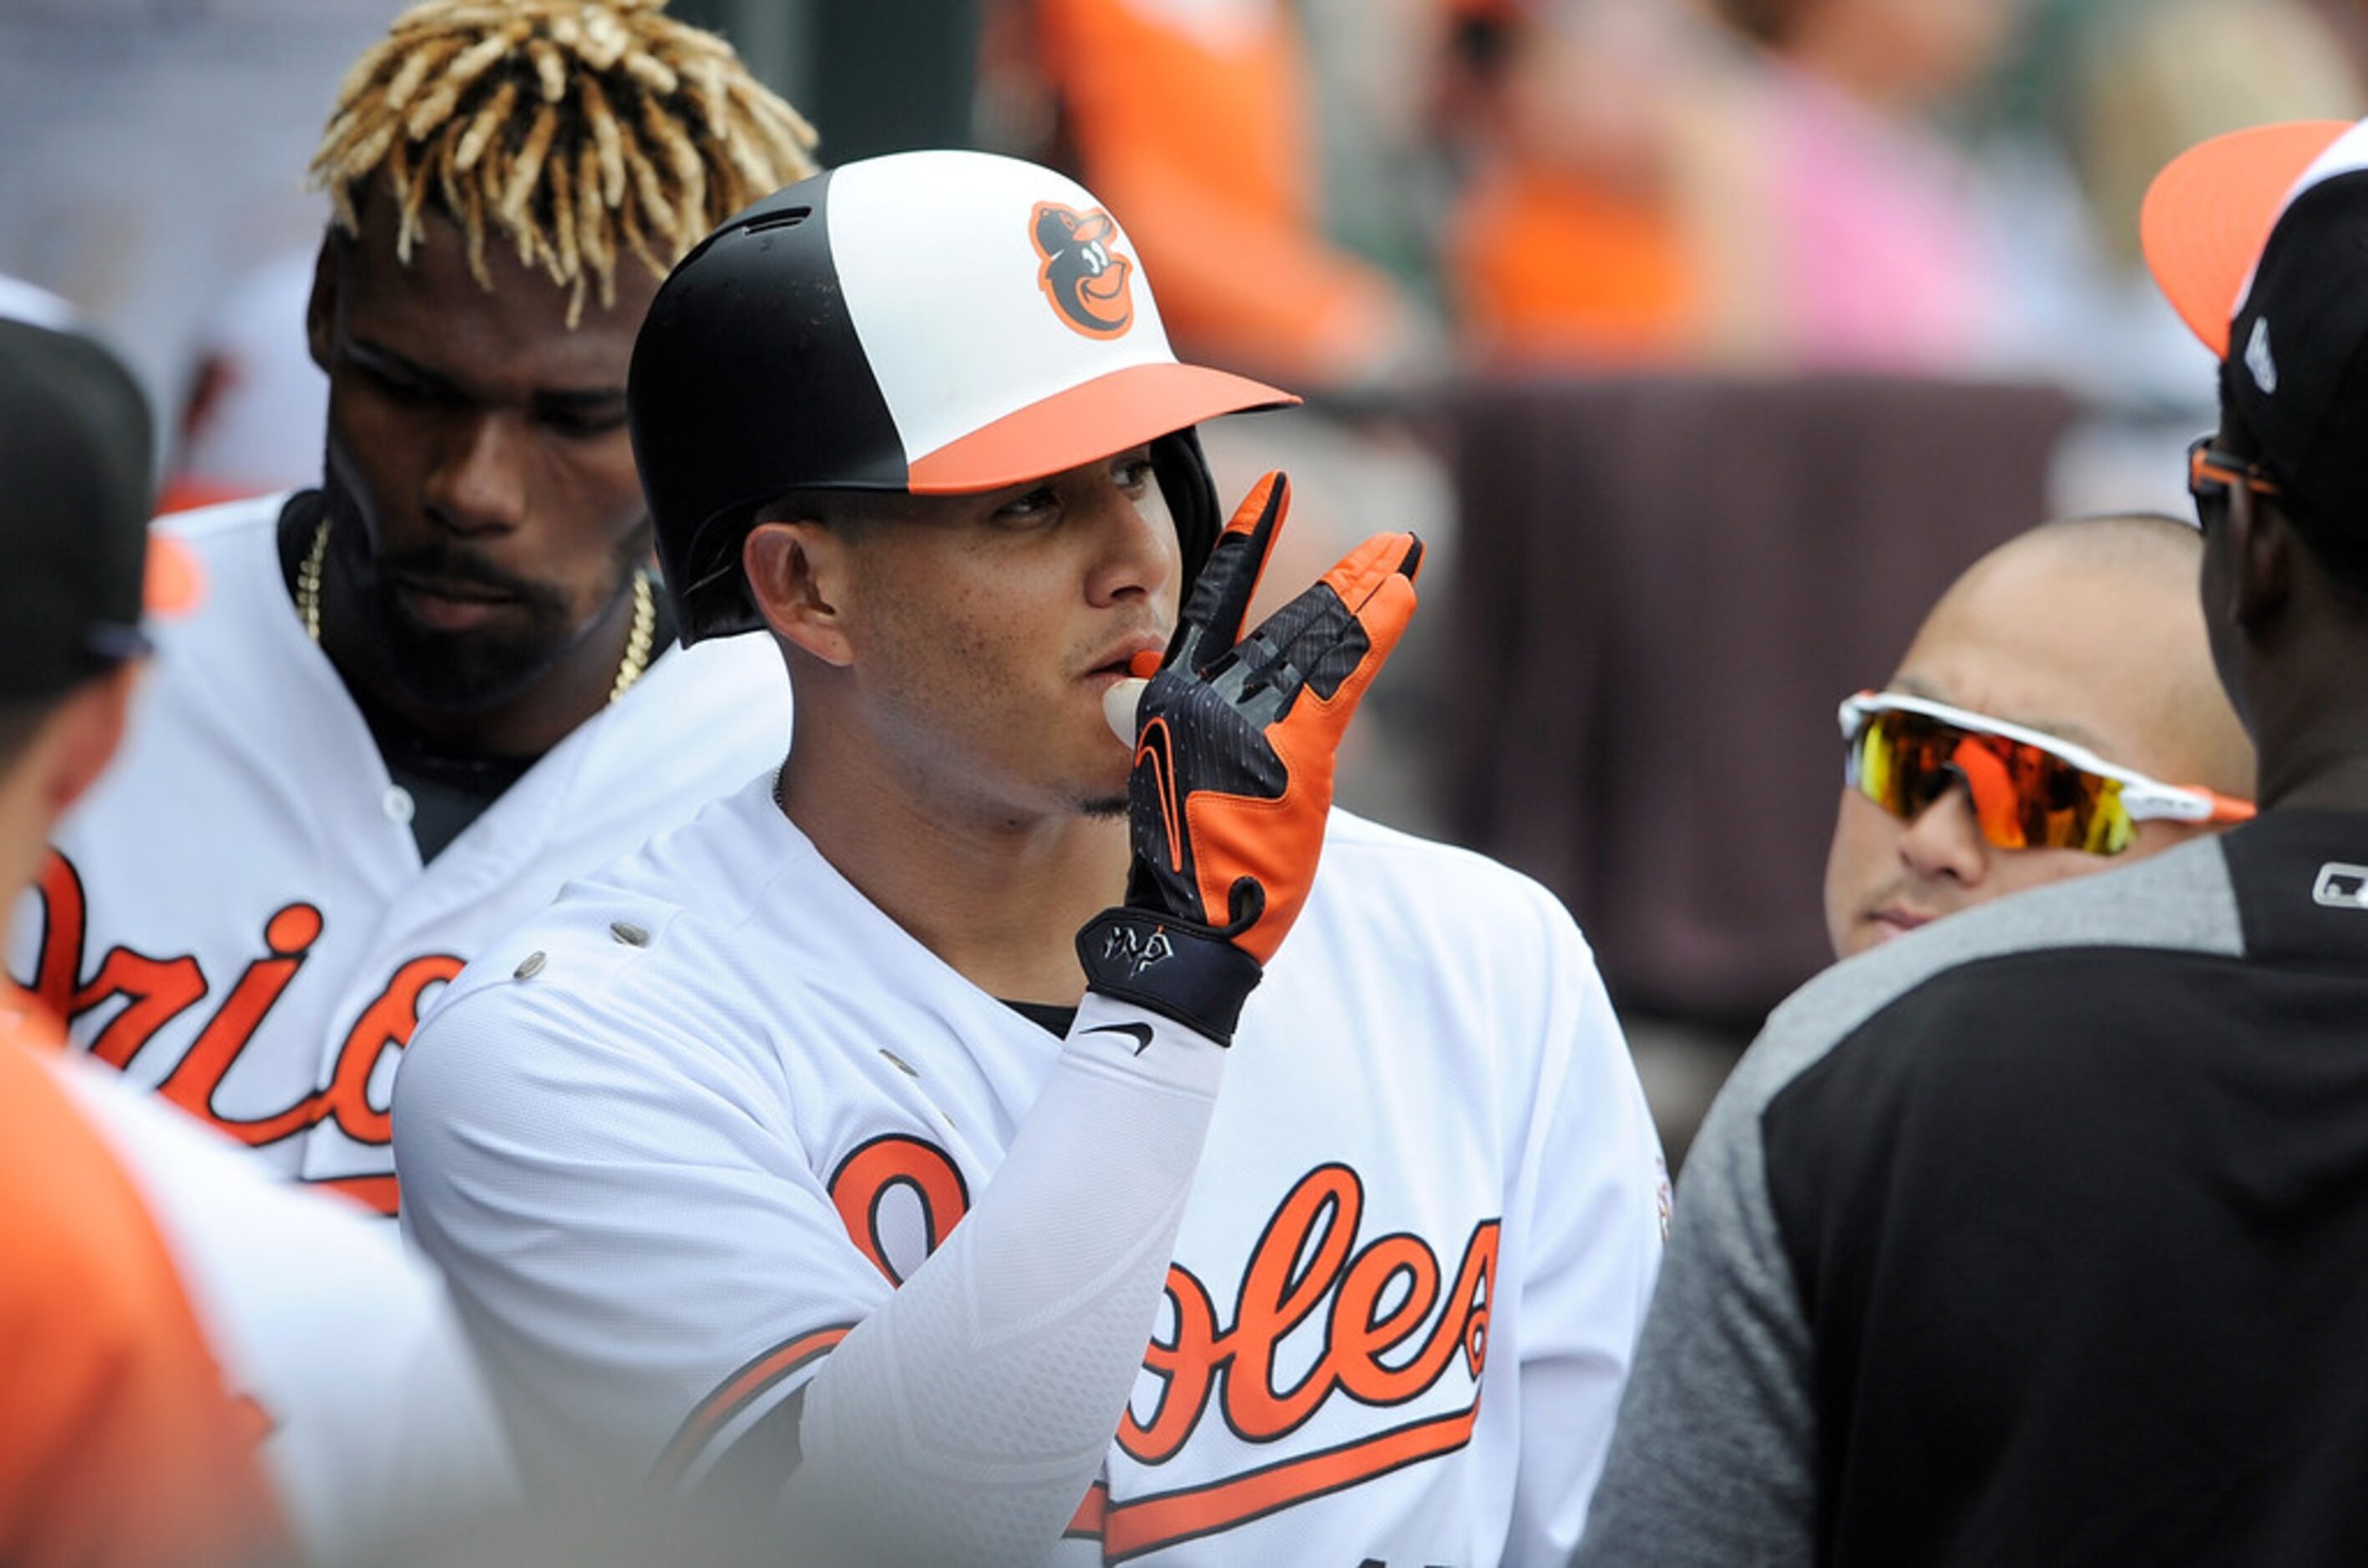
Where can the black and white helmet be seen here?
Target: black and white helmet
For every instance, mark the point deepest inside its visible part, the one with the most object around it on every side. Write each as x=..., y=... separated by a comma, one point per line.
x=937, y=323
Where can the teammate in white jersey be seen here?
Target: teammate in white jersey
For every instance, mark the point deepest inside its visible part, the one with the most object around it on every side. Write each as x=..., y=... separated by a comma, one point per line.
x=424, y=694
x=333, y=1358
x=834, y=1155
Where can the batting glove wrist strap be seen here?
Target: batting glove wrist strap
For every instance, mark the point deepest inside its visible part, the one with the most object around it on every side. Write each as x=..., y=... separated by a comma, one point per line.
x=1178, y=970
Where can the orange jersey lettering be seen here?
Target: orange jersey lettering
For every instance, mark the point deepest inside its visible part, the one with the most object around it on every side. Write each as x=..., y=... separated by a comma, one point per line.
x=148, y=992
x=1307, y=1267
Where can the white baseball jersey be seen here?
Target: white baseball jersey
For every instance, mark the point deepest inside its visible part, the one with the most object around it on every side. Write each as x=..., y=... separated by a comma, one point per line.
x=733, y=1103
x=238, y=915
x=375, y=1427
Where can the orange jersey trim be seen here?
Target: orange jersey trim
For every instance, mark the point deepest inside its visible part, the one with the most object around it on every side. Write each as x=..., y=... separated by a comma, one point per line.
x=737, y=1393
x=1131, y=1528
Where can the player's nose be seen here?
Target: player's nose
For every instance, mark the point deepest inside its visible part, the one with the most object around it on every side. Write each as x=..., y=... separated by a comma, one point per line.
x=1944, y=840
x=1136, y=550
x=478, y=482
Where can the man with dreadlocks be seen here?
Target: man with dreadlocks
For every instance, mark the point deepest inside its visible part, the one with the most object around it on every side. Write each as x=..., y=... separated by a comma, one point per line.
x=424, y=695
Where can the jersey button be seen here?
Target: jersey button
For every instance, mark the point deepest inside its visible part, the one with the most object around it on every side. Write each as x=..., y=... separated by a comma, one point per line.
x=397, y=804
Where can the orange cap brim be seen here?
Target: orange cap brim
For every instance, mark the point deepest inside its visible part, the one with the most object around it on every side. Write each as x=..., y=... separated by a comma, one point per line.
x=2209, y=213
x=1090, y=420
x=176, y=582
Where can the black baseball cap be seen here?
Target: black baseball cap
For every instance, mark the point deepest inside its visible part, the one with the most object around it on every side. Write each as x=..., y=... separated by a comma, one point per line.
x=2259, y=240
x=75, y=496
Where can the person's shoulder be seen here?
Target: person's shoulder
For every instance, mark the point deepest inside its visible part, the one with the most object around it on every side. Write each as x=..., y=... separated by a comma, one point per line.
x=590, y=998
x=227, y=524
x=47, y=1187
x=235, y=546
x=743, y=655
x=318, y=1316
x=2180, y=901
x=653, y=990
x=647, y=936
x=244, y=1230
x=717, y=710
x=1394, y=881
x=1359, y=847
x=1394, y=915
x=716, y=675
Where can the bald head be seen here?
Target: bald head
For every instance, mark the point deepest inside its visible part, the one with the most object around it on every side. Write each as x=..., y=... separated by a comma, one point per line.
x=2093, y=624
x=2090, y=630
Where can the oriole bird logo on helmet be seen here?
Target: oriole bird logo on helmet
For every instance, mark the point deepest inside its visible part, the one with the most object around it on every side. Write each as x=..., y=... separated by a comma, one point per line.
x=1089, y=284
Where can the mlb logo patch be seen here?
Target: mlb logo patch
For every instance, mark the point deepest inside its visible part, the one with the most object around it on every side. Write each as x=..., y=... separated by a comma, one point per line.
x=2340, y=886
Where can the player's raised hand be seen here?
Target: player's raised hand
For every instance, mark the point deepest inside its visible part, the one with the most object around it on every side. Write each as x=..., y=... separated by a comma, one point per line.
x=1235, y=740
x=1236, y=736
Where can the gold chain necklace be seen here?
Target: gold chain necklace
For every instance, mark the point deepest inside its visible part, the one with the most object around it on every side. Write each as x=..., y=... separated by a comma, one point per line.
x=637, y=641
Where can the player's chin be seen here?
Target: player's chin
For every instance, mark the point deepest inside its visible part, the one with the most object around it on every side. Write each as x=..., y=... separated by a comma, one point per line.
x=464, y=674
x=1102, y=790
x=1860, y=935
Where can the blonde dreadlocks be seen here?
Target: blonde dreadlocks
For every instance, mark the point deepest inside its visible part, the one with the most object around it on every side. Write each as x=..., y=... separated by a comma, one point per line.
x=579, y=129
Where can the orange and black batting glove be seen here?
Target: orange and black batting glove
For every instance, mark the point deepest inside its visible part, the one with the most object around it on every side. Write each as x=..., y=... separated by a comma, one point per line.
x=1234, y=743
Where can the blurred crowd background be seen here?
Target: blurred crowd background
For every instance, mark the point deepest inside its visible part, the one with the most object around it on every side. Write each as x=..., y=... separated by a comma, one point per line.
x=1708, y=338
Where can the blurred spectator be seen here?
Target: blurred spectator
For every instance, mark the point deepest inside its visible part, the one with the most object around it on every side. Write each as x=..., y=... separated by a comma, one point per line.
x=1195, y=118
x=1570, y=241
x=259, y=408
x=2161, y=77
x=1872, y=256
x=1647, y=186
x=2121, y=89
x=147, y=150
x=2151, y=81
x=1899, y=58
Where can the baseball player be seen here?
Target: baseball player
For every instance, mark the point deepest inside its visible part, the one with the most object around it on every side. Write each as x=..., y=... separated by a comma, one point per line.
x=170, y=1315
x=988, y=1138
x=106, y=1365
x=107, y=1369
x=421, y=695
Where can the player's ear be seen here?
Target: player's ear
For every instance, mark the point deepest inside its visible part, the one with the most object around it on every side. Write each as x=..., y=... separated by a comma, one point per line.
x=799, y=576
x=2260, y=546
x=321, y=307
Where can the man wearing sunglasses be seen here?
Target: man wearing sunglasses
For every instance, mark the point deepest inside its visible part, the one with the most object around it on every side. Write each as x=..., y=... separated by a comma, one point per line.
x=2026, y=735
x=2043, y=1236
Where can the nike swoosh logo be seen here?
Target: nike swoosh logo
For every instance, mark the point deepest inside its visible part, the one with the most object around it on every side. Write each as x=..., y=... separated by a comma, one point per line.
x=1139, y=1033
x=1154, y=747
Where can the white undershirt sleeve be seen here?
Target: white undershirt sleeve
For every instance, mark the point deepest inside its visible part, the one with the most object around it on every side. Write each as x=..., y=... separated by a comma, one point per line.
x=965, y=1420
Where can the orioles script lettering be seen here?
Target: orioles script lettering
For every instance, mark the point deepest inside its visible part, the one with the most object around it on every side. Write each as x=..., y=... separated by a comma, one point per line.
x=149, y=993
x=1393, y=1324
